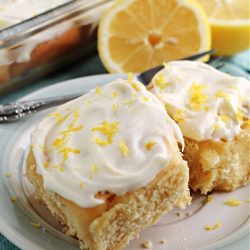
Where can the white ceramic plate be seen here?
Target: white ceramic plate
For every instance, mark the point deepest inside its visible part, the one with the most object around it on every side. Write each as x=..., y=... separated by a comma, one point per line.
x=180, y=232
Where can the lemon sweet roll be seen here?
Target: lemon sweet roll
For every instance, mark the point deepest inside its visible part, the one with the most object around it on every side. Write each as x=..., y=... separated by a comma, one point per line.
x=103, y=141
x=112, y=150
x=212, y=110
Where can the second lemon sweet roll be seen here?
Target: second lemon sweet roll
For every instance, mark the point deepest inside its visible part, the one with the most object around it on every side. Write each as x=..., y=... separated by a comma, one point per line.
x=212, y=110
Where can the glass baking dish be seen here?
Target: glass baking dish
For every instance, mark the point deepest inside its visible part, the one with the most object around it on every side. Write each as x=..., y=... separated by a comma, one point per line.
x=37, y=46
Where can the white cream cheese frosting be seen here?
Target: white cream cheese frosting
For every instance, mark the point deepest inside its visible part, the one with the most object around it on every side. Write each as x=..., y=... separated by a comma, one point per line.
x=206, y=103
x=10, y=14
x=15, y=11
x=112, y=139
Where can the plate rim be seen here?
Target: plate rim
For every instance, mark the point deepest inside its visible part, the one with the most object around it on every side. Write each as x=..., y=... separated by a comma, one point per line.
x=71, y=81
x=25, y=243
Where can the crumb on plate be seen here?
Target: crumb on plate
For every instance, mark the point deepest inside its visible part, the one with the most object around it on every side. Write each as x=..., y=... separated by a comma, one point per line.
x=189, y=213
x=232, y=202
x=180, y=214
x=163, y=241
x=13, y=199
x=36, y=225
x=213, y=227
x=8, y=174
x=147, y=244
x=209, y=198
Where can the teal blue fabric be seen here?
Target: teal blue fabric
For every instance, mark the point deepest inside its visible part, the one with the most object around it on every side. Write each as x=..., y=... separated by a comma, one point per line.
x=242, y=60
x=90, y=66
x=238, y=65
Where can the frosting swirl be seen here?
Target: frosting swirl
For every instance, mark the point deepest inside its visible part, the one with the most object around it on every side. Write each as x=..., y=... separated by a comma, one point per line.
x=111, y=139
x=206, y=103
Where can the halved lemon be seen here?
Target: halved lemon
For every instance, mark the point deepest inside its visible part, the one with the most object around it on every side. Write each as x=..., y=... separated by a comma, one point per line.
x=135, y=35
x=230, y=24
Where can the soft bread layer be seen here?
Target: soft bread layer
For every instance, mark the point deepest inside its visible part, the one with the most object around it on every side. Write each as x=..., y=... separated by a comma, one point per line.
x=223, y=165
x=111, y=225
x=43, y=53
x=145, y=207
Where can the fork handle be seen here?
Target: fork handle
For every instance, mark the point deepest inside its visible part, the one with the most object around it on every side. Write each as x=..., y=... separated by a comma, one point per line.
x=28, y=107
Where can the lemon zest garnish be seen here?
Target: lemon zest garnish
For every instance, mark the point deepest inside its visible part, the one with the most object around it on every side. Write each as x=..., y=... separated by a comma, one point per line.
x=247, y=123
x=233, y=86
x=108, y=130
x=198, y=98
x=124, y=148
x=36, y=225
x=239, y=115
x=135, y=87
x=209, y=198
x=46, y=164
x=97, y=90
x=114, y=107
x=130, y=77
x=145, y=99
x=59, y=118
x=225, y=118
x=13, y=199
x=177, y=116
x=222, y=94
x=81, y=185
x=160, y=82
x=216, y=226
x=232, y=202
x=206, y=108
x=75, y=119
x=8, y=174
x=100, y=142
x=76, y=115
x=94, y=169
x=216, y=126
x=67, y=150
x=115, y=94
x=59, y=143
x=149, y=145
x=71, y=130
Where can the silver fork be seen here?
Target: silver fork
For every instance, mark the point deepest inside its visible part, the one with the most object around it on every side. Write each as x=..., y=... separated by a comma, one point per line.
x=17, y=110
